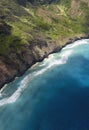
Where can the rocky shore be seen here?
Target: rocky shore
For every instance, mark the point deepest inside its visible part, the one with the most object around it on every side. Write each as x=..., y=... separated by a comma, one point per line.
x=17, y=62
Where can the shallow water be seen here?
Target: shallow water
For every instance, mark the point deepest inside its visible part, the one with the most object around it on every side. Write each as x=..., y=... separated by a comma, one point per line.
x=52, y=95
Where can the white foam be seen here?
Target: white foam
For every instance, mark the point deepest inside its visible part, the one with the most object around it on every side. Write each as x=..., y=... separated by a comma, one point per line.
x=66, y=54
x=1, y=90
x=17, y=93
x=48, y=60
x=0, y=95
x=56, y=61
x=76, y=43
x=40, y=72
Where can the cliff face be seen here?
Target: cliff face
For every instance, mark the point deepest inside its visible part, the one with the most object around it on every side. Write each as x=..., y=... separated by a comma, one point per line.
x=31, y=30
x=16, y=62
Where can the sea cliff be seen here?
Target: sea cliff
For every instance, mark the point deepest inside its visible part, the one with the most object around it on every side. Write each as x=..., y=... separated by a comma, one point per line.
x=31, y=30
x=18, y=62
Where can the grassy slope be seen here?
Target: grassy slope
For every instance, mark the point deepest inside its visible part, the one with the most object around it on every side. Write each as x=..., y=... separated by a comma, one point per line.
x=57, y=21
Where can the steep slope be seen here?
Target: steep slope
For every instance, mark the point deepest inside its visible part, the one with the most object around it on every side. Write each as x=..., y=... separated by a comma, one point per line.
x=30, y=30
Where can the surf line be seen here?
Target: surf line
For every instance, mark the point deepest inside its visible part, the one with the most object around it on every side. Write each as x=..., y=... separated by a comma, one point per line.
x=47, y=64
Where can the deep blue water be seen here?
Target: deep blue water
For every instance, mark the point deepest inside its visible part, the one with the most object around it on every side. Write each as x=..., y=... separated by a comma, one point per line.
x=52, y=95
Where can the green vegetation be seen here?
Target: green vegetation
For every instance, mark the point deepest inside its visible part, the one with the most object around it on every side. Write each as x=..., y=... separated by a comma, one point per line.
x=51, y=19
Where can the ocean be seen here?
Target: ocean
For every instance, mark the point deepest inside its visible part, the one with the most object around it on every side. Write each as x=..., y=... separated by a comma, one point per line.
x=51, y=95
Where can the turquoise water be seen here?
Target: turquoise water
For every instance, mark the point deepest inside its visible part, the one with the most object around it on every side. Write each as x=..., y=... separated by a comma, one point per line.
x=52, y=95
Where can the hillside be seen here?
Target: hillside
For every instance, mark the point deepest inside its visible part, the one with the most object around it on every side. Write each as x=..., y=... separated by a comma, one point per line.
x=30, y=30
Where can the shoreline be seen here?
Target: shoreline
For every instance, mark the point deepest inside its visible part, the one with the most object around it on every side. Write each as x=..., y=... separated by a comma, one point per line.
x=55, y=50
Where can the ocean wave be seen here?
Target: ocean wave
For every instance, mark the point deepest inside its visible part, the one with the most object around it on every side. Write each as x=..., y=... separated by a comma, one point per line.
x=53, y=61
x=16, y=94
x=76, y=43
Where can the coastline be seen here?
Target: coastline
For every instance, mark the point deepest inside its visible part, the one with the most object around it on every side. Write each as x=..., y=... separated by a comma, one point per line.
x=54, y=50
